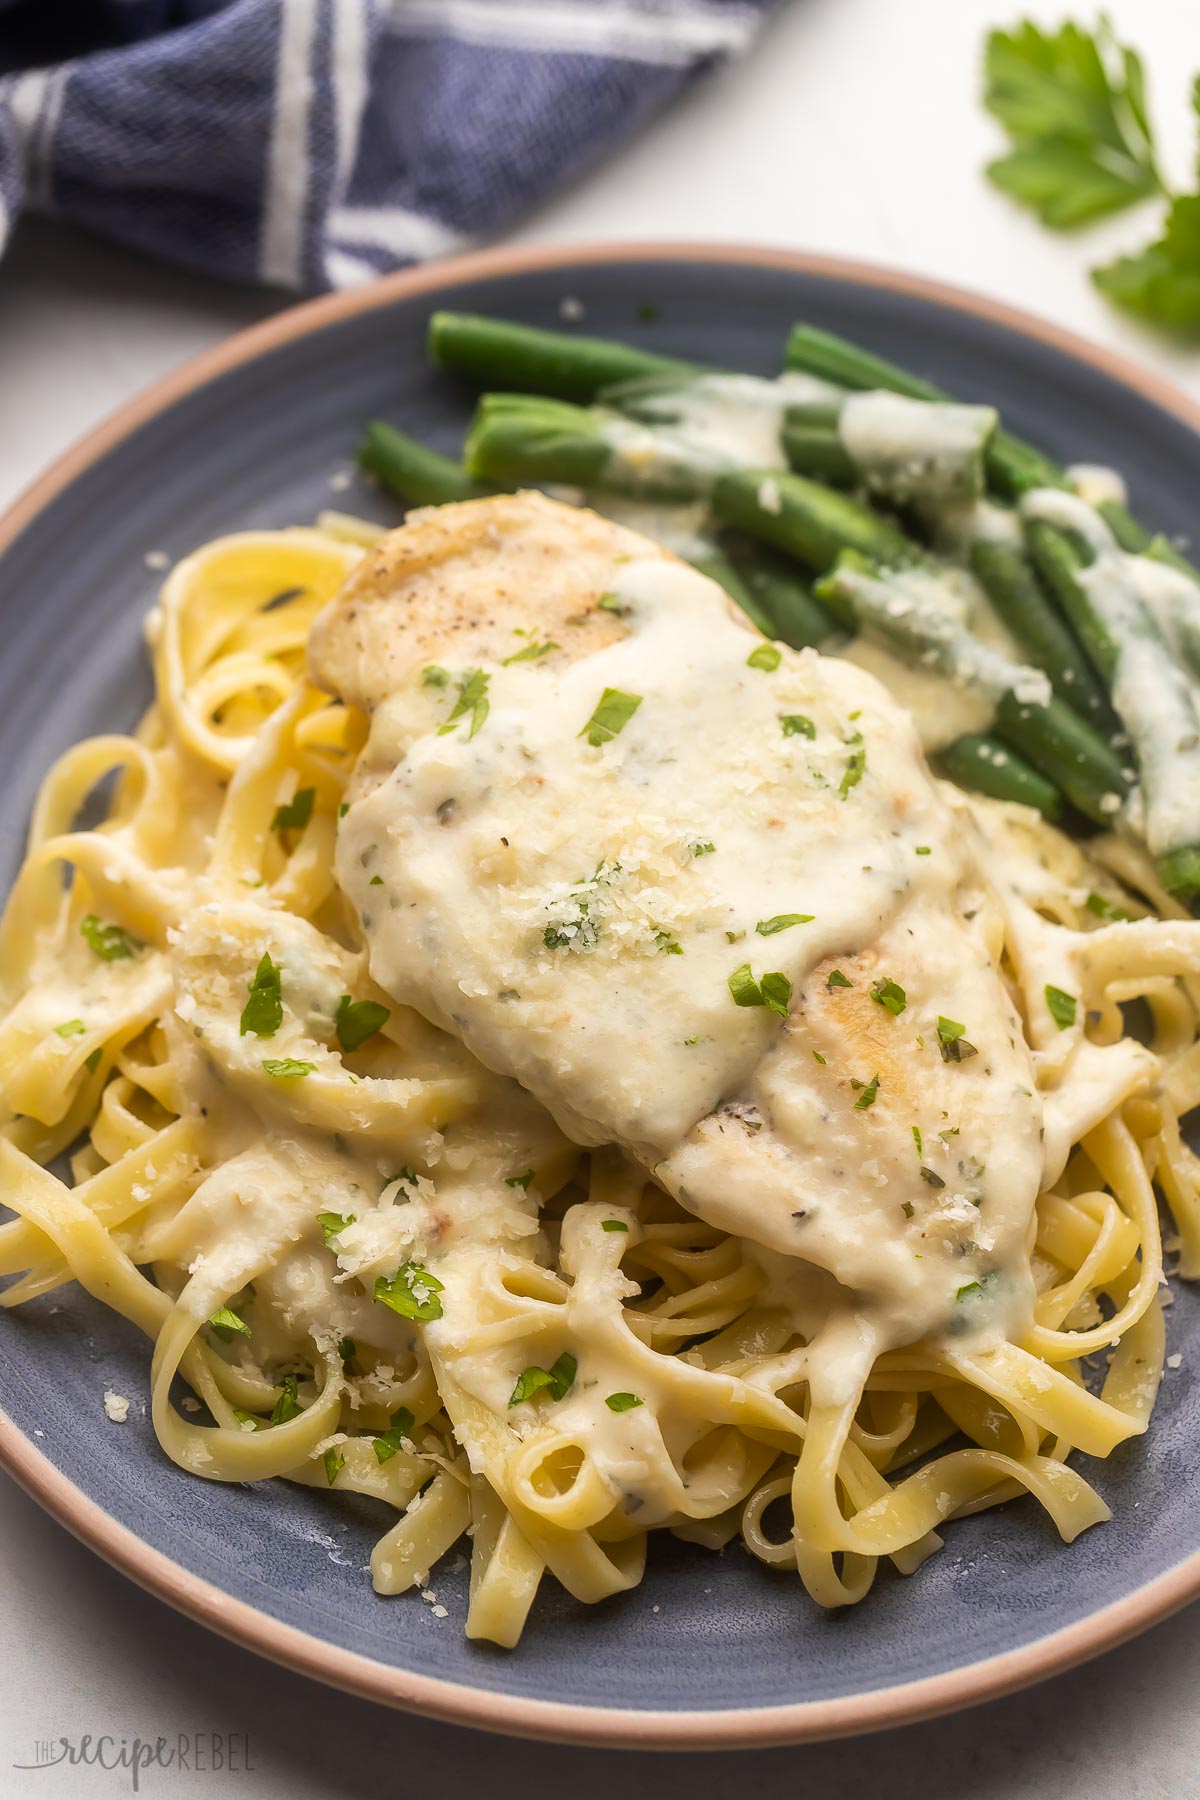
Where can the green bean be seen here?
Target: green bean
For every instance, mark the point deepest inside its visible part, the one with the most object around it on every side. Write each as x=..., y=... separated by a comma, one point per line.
x=985, y=765
x=416, y=474
x=494, y=353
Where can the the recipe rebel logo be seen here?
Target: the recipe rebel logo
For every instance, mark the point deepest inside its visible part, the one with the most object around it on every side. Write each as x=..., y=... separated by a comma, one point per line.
x=187, y=1752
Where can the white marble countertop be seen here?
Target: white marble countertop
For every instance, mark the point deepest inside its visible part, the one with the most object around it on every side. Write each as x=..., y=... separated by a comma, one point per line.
x=853, y=129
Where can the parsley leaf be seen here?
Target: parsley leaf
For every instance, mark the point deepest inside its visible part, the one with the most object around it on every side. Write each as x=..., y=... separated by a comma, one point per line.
x=951, y=1042
x=867, y=1093
x=521, y=1181
x=412, y=1292
x=837, y=979
x=796, y=725
x=613, y=712
x=288, y=1405
x=263, y=1011
x=71, y=1028
x=766, y=656
x=288, y=1068
x=1162, y=282
x=614, y=604
x=1096, y=904
x=296, y=812
x=773, y=991
x=782, y=922
x=386, y=1445
x=620, y=1403
x=1062, y=1006
x=613, y=1225
x=91, y=1062
x=856, y=768
x=227, y=1324
x=530, y=653
x=891, y=995
x=433, y=675
x=358, y=1020
x=1074, y=105
x=557, y=1380
x=472, y=700
x=335, y=1461
x=333, y=1224
x=667, y=945
x=112, y=942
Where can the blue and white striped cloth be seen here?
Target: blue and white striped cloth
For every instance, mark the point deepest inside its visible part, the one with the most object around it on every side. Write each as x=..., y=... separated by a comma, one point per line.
x=316, y=143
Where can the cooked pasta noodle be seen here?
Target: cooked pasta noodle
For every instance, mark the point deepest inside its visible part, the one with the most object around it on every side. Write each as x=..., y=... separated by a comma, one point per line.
x=367, y=1263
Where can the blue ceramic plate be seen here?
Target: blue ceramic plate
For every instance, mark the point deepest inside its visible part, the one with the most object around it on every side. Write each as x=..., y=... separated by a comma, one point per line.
x=710, y=1649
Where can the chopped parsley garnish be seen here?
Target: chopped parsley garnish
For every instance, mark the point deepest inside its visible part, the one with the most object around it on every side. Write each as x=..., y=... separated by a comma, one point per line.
x=702, y=847
x=295, y=813
x=951, y=1042
x=817, y=1057
x=433, y=675
x=263, y=1011
x=619, y=1403
x=837, y=979
x=667, y=945
x=333, y=1224
x=386, y=1445
x=472, y=701
x=556, y=1380
x=765, y=656
x=917, y=1140
x=288, y=1068
x=530, y=653
x=1062, y=1006
x=1104, y=909
x=288, y=1405
x=227, y=1324
x=932, y=1177
x=375, y=881
x=855, y=770
x=613, y=1225
x=521, y=1181
x=112, y=942
x=412, y=1292
x=614, y=604
x=891, y=995
x=347, y=1348
x=91, y=1061
x=908, y=1209
x=358, y=1020
x=867, y=1093
x=773, y=991
x=796, y=725
x=613, y=712
x=782, y=922
x=247, y=1420
x=923, y=850
x=71, y=1028
x=971, y=1287
x=335, y=1461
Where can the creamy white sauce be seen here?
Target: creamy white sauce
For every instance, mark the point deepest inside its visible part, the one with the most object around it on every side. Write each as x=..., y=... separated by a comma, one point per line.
x=913, y=607
x=718, y=422
x=1156, y=700
x=942, y=710
x=905, y=448
x=1097, y=483
x=535, y=917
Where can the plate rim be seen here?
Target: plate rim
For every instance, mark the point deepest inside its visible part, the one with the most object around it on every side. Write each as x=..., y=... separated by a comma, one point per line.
x=451, y=1701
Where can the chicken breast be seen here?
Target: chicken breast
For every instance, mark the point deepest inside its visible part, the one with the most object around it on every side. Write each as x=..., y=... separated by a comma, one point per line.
x=697, y=893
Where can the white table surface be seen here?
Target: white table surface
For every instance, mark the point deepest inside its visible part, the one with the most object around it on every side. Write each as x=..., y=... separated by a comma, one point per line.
x=852, y=128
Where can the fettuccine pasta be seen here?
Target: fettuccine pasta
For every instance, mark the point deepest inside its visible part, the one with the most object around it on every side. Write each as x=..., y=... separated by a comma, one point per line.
x=368, y=1263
